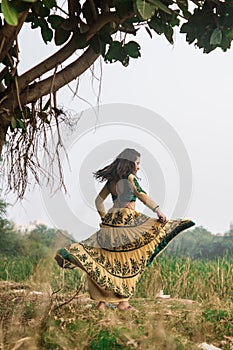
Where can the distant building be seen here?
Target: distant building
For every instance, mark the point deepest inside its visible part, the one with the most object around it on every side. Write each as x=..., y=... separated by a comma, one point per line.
x=27, y=227
x=219, y=234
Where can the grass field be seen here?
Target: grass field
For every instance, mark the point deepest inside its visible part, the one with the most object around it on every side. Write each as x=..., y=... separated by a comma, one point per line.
x=44, y=307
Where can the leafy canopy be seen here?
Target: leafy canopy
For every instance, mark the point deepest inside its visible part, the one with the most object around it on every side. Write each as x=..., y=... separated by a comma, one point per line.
x=208, y=25
x=83, y=30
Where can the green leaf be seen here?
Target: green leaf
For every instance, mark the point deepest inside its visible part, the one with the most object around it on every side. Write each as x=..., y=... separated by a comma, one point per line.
x=157, y=25
x=26, y=112
x=161, y=6
x=117, y=52
x=21, y=124
x=35, y=23
x=22, y=114
x=122, y=7
x=229, y=34
x=42, y=22
x=84, y=27
x=13, y=51
x=7, y=61
x=125, y=61
x=129, y=28
x=40, y=9
x=96, y=44
x=133, y=49
x=144, y=9
x=7, y=78
x=61, y=36
x=9, y=12
x=103, y=49
x=216, y=37
x=183, y=4
x=30, y=17
x=174, y=21
x=104, y=34
x=225, y=44
x=30, y=1
x=69, y=24
x=13, y=122
x=168, y=32
x=114, y=51
x=55, y=21
x=50, y=3
x=47, y=34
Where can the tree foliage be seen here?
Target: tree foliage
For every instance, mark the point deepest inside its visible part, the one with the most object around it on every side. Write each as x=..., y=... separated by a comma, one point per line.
x=10, y=241
x=107, y=28
x=199, y=243
x=35, y=244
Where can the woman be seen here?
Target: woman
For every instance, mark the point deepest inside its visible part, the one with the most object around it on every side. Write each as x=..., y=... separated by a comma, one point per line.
x=115, y=256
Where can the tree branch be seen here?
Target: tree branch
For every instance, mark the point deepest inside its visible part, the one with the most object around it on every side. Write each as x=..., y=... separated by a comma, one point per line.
x=65, y=76
x=66, y=51
x=51, y=62
x=9, y=33
x=30, y=93
x=93, y=9
x=3, y=131
x=71, y=9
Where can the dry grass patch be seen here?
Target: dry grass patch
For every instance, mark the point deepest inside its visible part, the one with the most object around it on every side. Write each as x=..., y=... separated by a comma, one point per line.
x=43, y=321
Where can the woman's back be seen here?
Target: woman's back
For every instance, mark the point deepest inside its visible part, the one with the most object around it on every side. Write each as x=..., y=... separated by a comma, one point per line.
x=122, y=192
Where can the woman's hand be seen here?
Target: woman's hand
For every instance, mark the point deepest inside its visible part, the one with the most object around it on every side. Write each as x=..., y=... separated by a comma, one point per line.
x=161, y=216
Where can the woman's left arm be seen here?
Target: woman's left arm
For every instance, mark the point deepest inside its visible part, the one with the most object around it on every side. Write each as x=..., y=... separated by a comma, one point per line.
x=145, y=199
x=99, y=201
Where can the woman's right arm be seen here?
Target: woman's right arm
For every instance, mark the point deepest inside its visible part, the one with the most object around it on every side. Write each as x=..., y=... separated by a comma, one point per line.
x=145, y=199
x=99, y=201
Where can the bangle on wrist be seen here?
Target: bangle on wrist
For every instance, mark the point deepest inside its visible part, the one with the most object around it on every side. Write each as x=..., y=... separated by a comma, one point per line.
x=156, y=208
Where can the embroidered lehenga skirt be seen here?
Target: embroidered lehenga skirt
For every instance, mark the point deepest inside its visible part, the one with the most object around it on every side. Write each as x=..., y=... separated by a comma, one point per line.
x=115, y=257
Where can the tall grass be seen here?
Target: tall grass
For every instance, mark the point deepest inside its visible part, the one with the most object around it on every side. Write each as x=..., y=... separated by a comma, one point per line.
x=38, y=272
x=179, y=277
x=16, y=269
x=52, y=321
x=186, y=278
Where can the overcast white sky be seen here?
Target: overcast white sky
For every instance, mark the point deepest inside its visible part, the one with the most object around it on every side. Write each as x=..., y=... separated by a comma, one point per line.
x=192, y=91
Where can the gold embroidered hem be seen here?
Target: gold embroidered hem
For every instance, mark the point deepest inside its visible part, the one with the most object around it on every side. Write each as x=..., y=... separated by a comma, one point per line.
x=115, y=256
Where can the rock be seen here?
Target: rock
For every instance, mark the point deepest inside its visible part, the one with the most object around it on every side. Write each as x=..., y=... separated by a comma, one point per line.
x=206, y=346
x=162, y=296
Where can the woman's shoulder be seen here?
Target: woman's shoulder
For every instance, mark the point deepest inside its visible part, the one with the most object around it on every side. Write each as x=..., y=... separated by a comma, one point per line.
x=131, y=177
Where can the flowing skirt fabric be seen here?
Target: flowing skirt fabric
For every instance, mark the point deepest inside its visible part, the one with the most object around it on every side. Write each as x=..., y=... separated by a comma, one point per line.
x=115, y=256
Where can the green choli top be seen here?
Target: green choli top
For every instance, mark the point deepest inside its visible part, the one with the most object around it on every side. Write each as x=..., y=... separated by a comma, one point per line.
x=128, y=194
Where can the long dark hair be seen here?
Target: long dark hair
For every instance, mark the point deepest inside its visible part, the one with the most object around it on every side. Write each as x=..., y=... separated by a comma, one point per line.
x=122, y=166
